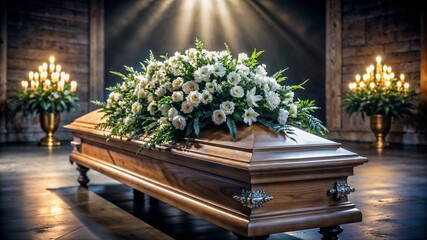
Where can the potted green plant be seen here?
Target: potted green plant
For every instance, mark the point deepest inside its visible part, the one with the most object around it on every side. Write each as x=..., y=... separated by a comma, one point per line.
x=380, y=95
x=47, y=93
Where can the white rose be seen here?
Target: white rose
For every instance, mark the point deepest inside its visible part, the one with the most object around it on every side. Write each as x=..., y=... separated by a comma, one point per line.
x=218, y=70
x=136, y=107
x=202, y=74
x=186, y=107
x=283, y=116
x=233, y=78
x=250, y=116
x=177, y=83
x=205, y=97
x=177, y=96
x=293, y=110
x=242, y=70
x=179, y=122
x=227, y=107
x=190, y=86
x=172, y=113
x=210, y=86
x=261, y=70
x=242, y=57
x=117, y=96
x=273, y=99
x=218, y=117
x=194, y=98
x=237, y=91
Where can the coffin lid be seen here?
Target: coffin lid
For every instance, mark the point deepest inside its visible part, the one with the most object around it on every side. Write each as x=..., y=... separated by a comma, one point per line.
x=255, y=144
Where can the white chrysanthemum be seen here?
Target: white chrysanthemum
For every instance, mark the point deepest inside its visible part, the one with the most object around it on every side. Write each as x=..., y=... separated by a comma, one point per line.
x=179, y=122
x=177, y=96
x=227, y=107
x=210, y=86
x=136, y=107
x=122, y=103
x=205, y=97
x=186, y=107
x=237, y=91
x=283, y=116
x=177, y=83
x=233, y=78
x=172, y=113
x=163, y=121
x=164, y=109
x=251, y=98
x=218, y=70
x=160, y=91
x=152, y=107
x=218, y=117
x=190, y=86
x=242, y=70
x=242, y=57
x=142, y=93
x=273, y=99
x=293, y=110
x=250, y=116
x=202, y=74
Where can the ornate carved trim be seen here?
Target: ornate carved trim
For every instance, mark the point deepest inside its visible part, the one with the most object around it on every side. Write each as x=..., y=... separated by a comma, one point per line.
x=341, y=190
x=253, y=199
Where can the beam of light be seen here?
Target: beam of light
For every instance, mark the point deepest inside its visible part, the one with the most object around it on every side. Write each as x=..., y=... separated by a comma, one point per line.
x=182, y=30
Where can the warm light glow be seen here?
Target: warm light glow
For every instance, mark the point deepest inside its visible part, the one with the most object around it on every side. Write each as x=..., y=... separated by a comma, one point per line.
x=40, y=68
x=372, y=85
x=66, y=77
x=392, y=75
x=378, y=76
x=73, y=86
x=406, y=86
x=52, y=59
x=387, y=84
x=31, y=76
x=365, y=77
x=389, y=69
x=402, y=77
x=362, y=84
x=36, y=76
x=52, y=67
x=24, y=85
x=378, y=59
x=357, y=78
x=60, y=86
x=44, y=65
x=58, y=68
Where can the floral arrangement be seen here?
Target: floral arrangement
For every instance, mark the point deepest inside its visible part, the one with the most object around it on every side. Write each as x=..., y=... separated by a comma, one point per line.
x=49, y=90
x=178, y=97
x=379, y=91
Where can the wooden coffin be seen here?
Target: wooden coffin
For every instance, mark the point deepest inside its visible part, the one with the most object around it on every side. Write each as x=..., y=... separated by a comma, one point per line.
x=261, y=184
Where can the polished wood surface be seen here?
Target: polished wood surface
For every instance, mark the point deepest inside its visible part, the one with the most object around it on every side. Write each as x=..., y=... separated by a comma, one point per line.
x=204, y=177
x=39, y=200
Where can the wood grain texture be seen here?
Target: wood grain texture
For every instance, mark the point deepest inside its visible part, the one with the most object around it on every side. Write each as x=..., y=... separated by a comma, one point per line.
x=3, y=67
x=423, y=73
x=203, y=178
x=96, y=51
x=333, y=63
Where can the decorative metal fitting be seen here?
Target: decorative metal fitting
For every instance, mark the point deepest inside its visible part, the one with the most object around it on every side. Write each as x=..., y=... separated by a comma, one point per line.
x=77, y=144
x=341, y=190
x=253, y=199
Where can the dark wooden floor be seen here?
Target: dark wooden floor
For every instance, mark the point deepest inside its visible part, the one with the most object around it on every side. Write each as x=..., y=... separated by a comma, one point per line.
x=39, y=199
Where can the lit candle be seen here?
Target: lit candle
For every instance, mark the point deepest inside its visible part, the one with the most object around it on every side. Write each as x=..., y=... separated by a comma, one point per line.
x=399, y=85
x=31, y=76
x=43, y=76
x=387, y=84
x=378, y=59
x=40, y=68
x=36, y=76
x=365, y=77
x=402, y=77
x=51, y=67
x=357, y=78
x=58, y=68
x=62, y=76
x=378, y=76
x=392, y=75
x=73, y=86
x=362, y=84
x=372, y=85
x=52, y=59
x=406, y=86
x=389, y=69
x=24, y=85
x=60, y=86
x=67, y=77
x=385, y=68
x=47, y=84
x=37, y=84
x=44, y=66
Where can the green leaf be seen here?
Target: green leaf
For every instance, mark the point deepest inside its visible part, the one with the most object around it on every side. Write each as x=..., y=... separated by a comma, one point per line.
x=231, y=124
x=196, y=126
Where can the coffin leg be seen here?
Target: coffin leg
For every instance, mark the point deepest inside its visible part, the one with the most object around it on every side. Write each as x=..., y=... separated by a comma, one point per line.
x=240, y=237
x=82, y=179
x=330, y=233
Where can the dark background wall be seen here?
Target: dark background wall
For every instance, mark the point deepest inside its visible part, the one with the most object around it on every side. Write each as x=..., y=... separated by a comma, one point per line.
x=292, y=34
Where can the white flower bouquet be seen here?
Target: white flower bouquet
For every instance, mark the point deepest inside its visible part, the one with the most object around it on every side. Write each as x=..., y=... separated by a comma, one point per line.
x=178, y=97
